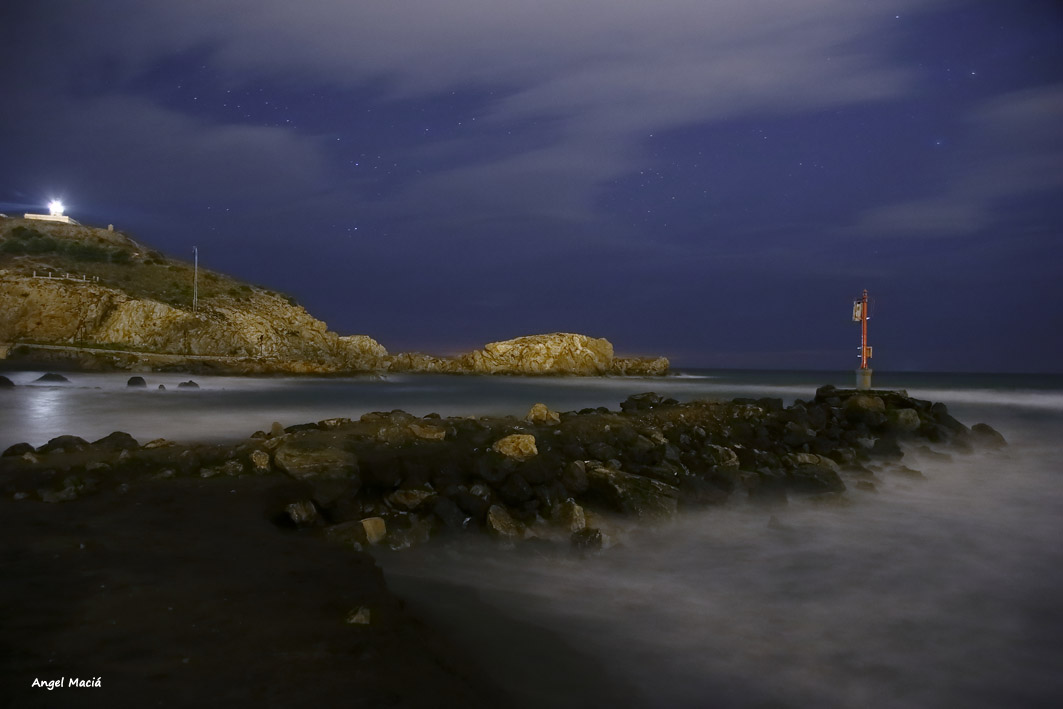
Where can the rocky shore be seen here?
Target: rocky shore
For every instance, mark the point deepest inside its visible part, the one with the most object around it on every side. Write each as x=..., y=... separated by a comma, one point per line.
x=396, y=479
x=190, y=570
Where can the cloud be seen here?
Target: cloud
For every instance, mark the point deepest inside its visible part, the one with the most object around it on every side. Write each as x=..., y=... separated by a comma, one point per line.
x=606, y=73
x=139, y=149
x=1014, y=148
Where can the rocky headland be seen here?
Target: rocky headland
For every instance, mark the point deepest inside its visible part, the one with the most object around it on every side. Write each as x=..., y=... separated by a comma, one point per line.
x=95, y=299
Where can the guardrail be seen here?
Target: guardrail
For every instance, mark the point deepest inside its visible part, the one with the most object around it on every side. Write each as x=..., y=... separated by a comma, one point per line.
x=67, y=277
x=135, y=353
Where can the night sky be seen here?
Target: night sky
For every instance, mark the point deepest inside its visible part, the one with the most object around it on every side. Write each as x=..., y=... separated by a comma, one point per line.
x=713, y=181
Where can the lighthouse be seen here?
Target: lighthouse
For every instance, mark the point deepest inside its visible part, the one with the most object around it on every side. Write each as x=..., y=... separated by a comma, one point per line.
x=863, y=375
x=55, y=214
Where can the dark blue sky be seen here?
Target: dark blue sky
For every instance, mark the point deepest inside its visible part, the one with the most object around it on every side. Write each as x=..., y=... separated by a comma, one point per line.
x=713, y=181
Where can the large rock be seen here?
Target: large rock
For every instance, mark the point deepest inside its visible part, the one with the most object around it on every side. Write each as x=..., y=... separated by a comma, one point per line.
x=541, y=414
x=518, y=445
x=376, y=529
x=309, y=457
x=119, y=440
x=906, y=420
x=569, y=516
x=502, y=525
x=557, y=353
x=640, y=366
x=64, y=444
x=987, y=436
x=633, y=495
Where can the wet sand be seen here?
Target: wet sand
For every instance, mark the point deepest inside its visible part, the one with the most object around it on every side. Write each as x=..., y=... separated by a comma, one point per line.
x=184, y=592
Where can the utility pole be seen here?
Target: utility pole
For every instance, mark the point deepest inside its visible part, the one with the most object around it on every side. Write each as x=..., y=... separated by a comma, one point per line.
x=863, y=375
x=195, y=278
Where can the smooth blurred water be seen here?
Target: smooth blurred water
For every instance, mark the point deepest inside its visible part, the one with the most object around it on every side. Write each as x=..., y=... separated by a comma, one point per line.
x=941, y=592
x=92, y=405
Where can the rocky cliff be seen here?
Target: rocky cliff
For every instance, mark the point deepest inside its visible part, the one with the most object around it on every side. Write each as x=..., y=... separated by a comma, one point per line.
x=253, y=332
x=102, y=300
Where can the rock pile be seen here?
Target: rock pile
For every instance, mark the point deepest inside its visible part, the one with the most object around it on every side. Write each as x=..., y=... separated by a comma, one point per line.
x=396, y=479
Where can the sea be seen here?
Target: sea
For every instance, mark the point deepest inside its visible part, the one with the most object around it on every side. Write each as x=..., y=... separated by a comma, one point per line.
x=940, y=590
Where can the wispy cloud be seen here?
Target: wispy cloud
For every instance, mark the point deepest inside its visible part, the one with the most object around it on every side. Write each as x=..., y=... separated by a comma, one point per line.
x=1014, y=148
x=153, y=153
x=606, y=73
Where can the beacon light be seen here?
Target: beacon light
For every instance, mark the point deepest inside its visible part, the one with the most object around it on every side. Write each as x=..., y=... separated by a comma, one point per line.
x=55, y=208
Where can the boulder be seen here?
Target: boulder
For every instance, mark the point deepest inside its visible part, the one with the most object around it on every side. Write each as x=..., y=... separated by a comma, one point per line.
x=633, y=495
x=428, y=432
x=448, y=512
x=569, y=516
x=410, y=499
x=502, y=525
x=542, y=415
x=51, y=377
x=6, y=383
x=308, y=457
x=17, y=450
x=375, y=529
x=64, y=444
x=259, y=461
x=303, y=513
x=722, y=456
x=119, y=440
x=515, y=490
x=641, y=402
x=906, y=420
x=865, y=402
x=987, y=436
x=474, y=501
x=574, y=477
x=137, y=382
x=519, y=446
x=188, y=385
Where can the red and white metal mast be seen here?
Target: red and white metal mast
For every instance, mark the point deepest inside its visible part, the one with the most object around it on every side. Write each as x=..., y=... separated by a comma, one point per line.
x=863, y=375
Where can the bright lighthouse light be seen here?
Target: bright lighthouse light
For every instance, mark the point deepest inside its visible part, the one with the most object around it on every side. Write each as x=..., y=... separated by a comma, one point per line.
x=55, y=208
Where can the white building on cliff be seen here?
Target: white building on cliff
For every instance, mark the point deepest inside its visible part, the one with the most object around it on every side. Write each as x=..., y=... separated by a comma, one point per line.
x=55, y=214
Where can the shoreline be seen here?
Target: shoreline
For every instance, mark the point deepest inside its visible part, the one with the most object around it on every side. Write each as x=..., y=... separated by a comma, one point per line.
x=234, y=535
